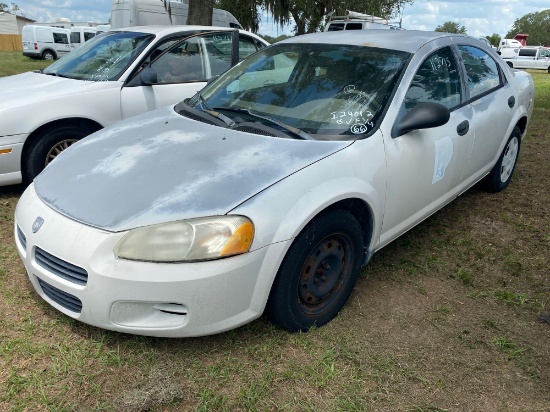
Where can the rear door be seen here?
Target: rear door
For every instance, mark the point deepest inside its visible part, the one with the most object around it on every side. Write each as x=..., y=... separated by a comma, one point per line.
x=493, y=101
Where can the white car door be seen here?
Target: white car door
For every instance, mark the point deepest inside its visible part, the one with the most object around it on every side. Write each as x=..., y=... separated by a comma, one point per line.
x=493, y=101
x=425, y=167
x=180, y=71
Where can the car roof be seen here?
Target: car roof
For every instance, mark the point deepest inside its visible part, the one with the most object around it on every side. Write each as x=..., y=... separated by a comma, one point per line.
x=161, y=31
x=403, y=40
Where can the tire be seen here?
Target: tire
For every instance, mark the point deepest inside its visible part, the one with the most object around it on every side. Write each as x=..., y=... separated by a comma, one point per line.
x=499, y=178
x=48, y=55
x=47, y=145
x=318, y=273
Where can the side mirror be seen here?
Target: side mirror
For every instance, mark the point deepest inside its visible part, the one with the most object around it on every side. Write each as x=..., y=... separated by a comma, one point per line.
x=148, y=76
x=422, y=116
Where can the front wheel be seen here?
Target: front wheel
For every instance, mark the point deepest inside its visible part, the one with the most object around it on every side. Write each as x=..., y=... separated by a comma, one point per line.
x=318, y=272
x=501, y=174
x=48, y=145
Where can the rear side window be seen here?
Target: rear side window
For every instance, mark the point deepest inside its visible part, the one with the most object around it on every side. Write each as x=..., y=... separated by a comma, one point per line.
x=60, y=38
x=481, y=69
x=88, y=36
x=528, y=52
x=436, y=81
x=75, y=37
x=354, y=26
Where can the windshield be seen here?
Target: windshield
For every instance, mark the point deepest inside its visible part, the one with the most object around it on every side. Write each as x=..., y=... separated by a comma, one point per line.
x=102, y=58
x=334, y=92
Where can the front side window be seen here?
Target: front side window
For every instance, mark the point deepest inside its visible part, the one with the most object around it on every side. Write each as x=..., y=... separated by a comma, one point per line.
x=481, y=69
x=337, y=92
x=195, y=59
x=437, y=81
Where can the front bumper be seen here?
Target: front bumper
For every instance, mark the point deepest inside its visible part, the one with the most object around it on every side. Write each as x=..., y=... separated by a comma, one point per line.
x=72, y=266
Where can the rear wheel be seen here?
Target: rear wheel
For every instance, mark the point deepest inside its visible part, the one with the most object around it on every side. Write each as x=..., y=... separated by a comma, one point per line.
x=318, y=272
x=48, y=145
x=501, y=174
x=48, y=55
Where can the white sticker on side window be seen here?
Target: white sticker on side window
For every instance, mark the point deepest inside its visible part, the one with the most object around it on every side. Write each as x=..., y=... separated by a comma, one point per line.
x=443, y=156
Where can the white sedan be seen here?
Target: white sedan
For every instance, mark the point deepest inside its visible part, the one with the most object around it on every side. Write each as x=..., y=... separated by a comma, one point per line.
x=114, y=76
x=270, y=188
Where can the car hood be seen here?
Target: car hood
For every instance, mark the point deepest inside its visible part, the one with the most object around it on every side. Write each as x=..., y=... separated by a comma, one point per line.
x=29, y=87
x=161, y=167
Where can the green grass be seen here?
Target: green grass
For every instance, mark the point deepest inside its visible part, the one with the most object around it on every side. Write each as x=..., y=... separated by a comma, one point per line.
x=448, y=317
x=14, y=62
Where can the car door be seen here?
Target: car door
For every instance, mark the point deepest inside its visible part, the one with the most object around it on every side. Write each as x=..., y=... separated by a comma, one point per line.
x=182, y=69
x=493, y=101
x=61, y=43
x=425, y=167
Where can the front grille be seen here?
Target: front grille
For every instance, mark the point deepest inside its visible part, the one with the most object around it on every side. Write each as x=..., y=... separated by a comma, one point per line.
x=22, y=238
x=61, y=268
x=64, y=299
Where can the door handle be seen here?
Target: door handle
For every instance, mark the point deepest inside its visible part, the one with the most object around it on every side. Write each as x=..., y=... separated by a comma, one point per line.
x=511, y=101
x=463, y=128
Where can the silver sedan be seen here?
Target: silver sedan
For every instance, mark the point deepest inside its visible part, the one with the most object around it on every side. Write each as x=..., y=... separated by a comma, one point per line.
x=271, y=188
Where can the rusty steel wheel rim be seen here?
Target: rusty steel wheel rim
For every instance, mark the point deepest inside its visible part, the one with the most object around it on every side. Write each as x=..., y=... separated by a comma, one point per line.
x=324, y=273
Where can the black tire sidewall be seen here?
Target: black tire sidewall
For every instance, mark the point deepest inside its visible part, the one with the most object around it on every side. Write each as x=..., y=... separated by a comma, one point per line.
x=283, y=307
x=492, y=181
x=34, y=162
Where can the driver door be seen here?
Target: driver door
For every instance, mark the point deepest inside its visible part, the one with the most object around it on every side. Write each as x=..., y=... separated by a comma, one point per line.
x=178, y=71
x=425, y=167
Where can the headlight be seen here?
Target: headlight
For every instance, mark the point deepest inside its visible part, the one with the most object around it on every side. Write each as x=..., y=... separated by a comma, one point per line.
x=188, y=240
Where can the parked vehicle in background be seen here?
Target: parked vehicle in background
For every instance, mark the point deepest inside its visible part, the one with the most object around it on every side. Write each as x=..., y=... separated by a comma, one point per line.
x=113, y=76
x=46, y=43
x=129, y=13
x=513, y=43
x=271, y=195
x=80, y=35
x=102, y=28
x=359, y=21
x=528, y=57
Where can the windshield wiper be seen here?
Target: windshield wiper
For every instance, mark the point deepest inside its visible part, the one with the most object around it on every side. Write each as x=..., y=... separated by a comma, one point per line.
x=57, y=75
x=205, y=108
x=293, y=130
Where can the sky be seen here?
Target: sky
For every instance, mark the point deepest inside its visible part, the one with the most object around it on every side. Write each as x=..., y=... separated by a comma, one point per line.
x=481, y=18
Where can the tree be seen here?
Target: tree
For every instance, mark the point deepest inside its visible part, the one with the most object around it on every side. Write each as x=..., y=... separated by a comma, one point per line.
x=309, y=15
x=451, y=27
x=200, y=12
x=5, y=8
x=536, y=25
x=494, y=39
x=245, y=11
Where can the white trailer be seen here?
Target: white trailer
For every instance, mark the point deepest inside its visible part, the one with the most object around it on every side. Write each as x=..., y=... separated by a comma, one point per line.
x=128, y=13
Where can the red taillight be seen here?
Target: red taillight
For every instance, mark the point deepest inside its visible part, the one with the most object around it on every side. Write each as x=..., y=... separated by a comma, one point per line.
x=35, y=46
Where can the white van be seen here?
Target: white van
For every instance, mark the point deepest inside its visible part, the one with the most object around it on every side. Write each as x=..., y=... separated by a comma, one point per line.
x=80, y=35
x=129, y=13
x=359, y=21
x=102, y=28
x=42, y=42
x=506, y=43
